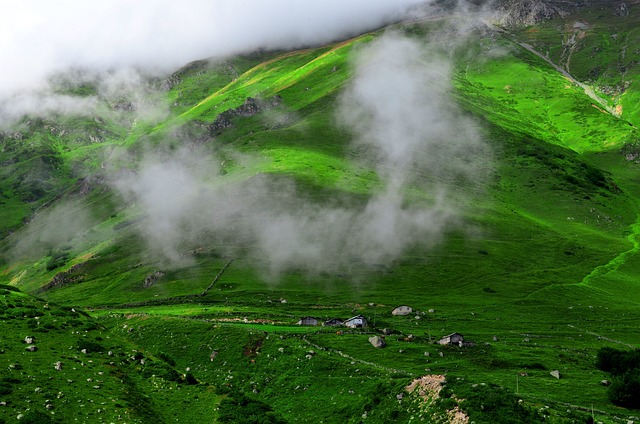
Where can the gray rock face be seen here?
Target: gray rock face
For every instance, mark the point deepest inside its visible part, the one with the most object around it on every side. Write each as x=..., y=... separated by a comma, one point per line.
x=518, y=13
x=152, y=278
x=377, y=342
x=250, y=107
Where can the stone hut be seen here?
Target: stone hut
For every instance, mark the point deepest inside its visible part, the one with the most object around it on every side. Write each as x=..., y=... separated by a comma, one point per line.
x=333, y=322
x=453, y=339
x=307, y=321
x=356, y=322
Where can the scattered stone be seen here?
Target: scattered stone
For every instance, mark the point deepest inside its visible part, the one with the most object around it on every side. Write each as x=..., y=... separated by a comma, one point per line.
x=402, y=310
x=213, y=355
x=555, y=373
x=31, y=348
x=58, y=366
x=427, y=354
x=441, y=354
x=281, y=349
x=3, y=403
x=84, y=351
x=432, y=311
x=400, y=396
x=387, y=331
x=605, y=382
x=495, y=338
x=37, y=389
x=29, y=339
x=377, y=342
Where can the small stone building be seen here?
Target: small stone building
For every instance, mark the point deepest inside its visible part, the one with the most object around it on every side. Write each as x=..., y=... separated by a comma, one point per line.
x=307, y=321
x=402, y=310
x=453, y=339
x=333, y=322
x=356, y=322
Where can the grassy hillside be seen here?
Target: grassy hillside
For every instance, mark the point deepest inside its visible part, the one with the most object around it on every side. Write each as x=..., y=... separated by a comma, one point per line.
x=540, y=273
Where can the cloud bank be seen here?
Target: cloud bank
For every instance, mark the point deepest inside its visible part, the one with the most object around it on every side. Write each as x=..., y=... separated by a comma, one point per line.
x=404, y=125
x=39, y=37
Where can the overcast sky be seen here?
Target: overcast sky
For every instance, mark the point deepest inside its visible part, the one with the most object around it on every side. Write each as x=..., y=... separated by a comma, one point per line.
x=41, y=36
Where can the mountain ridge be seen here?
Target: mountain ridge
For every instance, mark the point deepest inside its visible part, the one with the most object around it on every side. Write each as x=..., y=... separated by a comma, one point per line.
x=537, y=266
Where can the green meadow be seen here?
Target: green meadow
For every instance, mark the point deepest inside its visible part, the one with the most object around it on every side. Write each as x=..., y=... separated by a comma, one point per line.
x=541, y=274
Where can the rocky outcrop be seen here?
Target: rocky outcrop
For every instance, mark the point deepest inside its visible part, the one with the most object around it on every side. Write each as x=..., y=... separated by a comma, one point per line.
x=64, y=278
x=152, y=278
x=250, y=107
x=518, y=13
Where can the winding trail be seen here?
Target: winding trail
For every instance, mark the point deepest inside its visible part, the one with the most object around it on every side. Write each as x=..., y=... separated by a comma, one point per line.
x=351, y=358
x=619, y=260
x=588, y=90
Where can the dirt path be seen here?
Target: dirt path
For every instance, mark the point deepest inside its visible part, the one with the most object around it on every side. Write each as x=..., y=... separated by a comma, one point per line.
x=344, y=355
x=588, y=90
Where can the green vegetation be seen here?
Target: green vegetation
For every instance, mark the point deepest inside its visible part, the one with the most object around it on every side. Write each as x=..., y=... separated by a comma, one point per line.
x=542, y=276
x=624, y=366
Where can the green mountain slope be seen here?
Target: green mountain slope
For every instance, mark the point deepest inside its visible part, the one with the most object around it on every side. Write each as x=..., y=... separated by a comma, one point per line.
x=540, y=271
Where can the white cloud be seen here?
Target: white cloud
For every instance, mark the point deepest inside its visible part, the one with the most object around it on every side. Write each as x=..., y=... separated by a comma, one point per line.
x=400, y=112
x=38, y=37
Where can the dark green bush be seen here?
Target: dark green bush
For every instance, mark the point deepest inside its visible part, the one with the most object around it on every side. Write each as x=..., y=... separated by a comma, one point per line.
x=624, y=366
x=166, y=358
x=90, y=345
x=241, y=409
x=190, y=379
x=37, y=417
x=57, y=259
x=625, y=389
x=617, y=361
x=160, y=370
x=5, y=389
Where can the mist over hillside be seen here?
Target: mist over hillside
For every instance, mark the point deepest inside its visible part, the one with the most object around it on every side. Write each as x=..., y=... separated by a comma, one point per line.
x=330, y=212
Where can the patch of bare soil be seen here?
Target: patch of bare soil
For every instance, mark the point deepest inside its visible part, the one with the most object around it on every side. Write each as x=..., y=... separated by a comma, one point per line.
x=428, y=388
